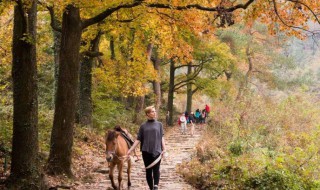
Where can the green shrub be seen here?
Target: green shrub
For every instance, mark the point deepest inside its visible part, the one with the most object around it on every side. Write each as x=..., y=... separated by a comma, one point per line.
x=45, y=118
x=107, y=113
x=278, y=179
x=236, y=148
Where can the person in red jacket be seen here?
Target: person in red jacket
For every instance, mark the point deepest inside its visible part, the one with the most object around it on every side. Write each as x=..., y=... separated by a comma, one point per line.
x=207, y=108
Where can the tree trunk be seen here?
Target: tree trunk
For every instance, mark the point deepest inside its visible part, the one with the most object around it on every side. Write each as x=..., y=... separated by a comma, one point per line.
x=118, y=98
x=65, y=104
x=189, y=89
x=129, y=102
x=156, y=85
x=244, y=83
x=113, y=55
x=138, y=109
x=171, y=93
x=85, y=99
x=56, y=50
x=25, y=166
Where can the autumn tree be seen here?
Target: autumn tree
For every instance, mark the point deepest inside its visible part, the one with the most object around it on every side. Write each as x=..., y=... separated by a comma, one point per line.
x=25, y=166
x=73, y=25
x=65, y=104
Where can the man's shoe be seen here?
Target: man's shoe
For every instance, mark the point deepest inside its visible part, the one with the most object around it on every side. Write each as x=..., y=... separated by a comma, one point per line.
x=155, y=187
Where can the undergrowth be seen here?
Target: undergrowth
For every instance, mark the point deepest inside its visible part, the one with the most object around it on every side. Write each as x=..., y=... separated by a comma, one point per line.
x=258, y=144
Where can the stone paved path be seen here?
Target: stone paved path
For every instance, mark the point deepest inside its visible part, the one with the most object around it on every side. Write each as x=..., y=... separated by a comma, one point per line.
x=180, y=147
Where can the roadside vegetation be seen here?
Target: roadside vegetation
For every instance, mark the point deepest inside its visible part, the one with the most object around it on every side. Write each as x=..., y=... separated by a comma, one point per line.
x=259, y=144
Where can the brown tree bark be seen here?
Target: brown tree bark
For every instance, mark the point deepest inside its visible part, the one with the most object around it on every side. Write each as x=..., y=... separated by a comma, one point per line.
x=156, y=83
x=171, y=93
x=65, y=104
x=129, y=102
x=138, y=109
x=25, y=166
x=189, y=89
x=85, y=99
x=56, y=50
x=112, y=50
x=56, y=26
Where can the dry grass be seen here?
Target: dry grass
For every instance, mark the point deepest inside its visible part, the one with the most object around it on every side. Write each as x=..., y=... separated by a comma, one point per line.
x=249, y=136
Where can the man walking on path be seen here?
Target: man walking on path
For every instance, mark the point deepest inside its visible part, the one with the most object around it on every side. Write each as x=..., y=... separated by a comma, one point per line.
x=153, y=147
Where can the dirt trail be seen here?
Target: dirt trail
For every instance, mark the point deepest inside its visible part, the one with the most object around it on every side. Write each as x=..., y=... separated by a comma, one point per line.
x=180, y=147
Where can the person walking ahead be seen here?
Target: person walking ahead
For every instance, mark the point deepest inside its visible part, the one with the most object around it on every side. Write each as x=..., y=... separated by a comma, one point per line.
x=197, y=116
x=151, y=137
x=183, y=123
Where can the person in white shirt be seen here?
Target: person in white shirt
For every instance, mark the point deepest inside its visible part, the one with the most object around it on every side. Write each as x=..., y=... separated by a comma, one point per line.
x=183, y=123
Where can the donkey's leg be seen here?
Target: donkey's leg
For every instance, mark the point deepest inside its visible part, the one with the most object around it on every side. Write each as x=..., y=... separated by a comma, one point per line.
x=120, y=168
x=129, y=172
x=112, y=166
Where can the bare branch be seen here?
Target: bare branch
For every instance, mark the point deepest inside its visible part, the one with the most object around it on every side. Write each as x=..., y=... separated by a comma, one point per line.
x=199, y=7
x=189, y=78
x=108, y=12
x=313, y=13
x=55, y=24
x=315, y=40
x=92, y=54
x=166, y=15
x=180, y=66
x=195, y=90
x=125, y=20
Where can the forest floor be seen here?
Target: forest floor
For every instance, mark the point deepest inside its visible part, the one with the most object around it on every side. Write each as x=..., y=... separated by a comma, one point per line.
x=91, y=169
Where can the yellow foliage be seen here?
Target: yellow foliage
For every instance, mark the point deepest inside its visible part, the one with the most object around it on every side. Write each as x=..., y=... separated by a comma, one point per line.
x=6, y=26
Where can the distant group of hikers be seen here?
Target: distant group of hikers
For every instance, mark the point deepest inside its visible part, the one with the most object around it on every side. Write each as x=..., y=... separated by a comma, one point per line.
x=192, y=118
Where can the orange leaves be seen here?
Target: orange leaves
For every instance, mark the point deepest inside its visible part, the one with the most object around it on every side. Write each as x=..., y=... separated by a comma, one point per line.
x=290, y=17
x=196, y=21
